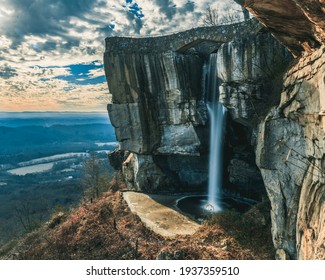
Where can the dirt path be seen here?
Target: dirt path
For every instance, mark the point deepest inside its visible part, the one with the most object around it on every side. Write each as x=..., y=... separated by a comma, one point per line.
x=157, y=213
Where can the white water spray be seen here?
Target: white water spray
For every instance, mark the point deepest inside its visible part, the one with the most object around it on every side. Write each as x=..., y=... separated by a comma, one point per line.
x=217, y=114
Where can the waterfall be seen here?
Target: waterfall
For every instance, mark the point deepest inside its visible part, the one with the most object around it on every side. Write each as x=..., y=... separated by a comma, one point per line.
x=217, y=113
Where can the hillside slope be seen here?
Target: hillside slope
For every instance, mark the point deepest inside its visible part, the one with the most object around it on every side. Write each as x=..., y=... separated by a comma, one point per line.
x=106, y=229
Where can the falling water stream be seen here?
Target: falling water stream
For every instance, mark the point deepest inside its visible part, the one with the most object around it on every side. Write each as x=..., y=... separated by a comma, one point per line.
x=199, y=205
x=217, y=113
x=217, y=116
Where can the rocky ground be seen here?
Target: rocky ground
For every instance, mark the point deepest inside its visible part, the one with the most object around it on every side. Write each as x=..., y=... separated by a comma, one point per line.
x=107, y=229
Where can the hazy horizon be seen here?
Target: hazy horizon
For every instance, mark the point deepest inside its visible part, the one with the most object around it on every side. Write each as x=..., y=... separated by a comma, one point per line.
x=50, y=112
x=18, y=119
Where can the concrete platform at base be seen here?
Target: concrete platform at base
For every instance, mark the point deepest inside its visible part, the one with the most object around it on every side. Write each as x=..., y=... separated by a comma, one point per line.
x=158, y=212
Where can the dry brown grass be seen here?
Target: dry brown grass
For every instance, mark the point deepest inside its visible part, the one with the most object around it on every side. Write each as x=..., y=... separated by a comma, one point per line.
x=106, y=229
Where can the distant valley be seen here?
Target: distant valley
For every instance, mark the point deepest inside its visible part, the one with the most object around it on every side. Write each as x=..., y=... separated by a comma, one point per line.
x=41, y=163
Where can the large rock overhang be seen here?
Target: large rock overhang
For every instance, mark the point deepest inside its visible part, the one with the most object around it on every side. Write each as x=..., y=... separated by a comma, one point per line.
x=297, y=24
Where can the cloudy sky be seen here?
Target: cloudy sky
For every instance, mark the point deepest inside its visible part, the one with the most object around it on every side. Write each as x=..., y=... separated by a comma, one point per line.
x=51, y=50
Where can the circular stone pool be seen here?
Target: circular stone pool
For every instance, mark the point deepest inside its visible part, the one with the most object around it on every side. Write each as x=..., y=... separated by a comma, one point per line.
x=197, y=205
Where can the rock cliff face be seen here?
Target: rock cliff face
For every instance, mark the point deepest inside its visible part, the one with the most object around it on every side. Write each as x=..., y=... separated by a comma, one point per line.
x=275, y=132
x=290, y=143
x=156, y=115
x=249, y=75
x=290, y=155
x=159, y=105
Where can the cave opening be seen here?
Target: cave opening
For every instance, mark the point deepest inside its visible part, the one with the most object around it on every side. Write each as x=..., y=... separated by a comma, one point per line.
x=243, y=178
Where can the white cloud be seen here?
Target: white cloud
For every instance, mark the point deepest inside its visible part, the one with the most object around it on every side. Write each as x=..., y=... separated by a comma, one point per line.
x=37, y=35
x=95, y=73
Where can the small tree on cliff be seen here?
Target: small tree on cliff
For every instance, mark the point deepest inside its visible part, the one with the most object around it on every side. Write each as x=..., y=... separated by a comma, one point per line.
x=95, y=179
x=211, y=17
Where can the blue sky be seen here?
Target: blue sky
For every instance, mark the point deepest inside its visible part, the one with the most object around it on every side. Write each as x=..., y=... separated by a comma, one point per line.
x=80, y=74
x=51, y=50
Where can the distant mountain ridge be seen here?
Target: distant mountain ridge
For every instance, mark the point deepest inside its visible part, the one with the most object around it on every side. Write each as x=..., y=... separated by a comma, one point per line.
x=51, y=118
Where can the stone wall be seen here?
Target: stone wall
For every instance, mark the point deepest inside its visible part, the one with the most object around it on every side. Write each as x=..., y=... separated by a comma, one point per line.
x=181, y=41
